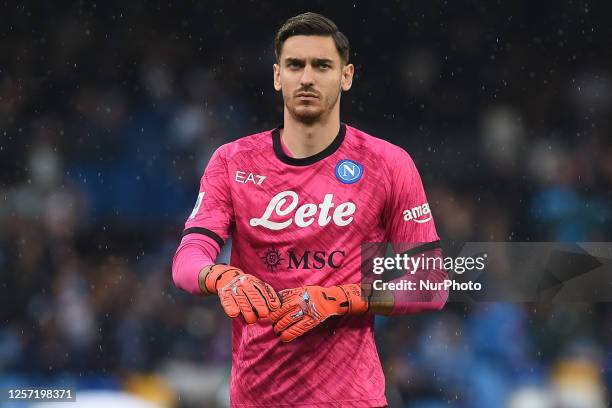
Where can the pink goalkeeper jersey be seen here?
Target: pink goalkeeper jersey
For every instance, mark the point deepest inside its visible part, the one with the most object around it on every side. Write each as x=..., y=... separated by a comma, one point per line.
x=301, y=221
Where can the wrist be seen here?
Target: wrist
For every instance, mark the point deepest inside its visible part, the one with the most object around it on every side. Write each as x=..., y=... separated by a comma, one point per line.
x=356, y=302
x=202, y=280
x=380, y=302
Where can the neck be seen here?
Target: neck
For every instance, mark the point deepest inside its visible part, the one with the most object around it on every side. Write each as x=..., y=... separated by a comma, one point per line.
x=307, y=139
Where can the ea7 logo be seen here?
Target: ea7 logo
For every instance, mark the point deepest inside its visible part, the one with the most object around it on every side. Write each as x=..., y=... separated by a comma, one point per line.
x=420, y=214
x=241, y=177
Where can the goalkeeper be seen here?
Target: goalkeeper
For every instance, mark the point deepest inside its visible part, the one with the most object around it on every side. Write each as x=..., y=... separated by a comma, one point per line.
x=298, y=201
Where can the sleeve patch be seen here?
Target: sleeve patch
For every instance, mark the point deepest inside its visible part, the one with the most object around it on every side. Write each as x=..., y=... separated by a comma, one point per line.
x=197, y=205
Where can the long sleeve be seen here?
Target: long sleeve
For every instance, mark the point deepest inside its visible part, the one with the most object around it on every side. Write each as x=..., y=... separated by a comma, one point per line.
x=410, y=228
x=207, y=227
x=420, y=299
x=195, y=252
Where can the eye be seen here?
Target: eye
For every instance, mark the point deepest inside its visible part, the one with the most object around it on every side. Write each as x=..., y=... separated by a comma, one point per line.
x=324, y=65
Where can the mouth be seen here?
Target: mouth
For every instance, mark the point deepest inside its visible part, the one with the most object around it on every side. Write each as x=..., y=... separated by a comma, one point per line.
x=307, y=96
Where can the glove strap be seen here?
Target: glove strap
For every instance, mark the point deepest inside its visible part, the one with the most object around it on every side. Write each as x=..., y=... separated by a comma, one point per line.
x=355, y=301
x=220, y=273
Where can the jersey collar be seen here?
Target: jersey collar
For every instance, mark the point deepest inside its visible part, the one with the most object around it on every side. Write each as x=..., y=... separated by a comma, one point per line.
x=305, y=161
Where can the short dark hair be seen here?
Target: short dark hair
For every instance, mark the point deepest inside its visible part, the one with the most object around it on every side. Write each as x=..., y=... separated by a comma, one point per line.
x=311, y=24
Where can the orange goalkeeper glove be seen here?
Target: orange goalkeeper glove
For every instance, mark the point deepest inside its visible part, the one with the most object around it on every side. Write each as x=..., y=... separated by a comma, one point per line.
x=306, y=307
x=241, y=293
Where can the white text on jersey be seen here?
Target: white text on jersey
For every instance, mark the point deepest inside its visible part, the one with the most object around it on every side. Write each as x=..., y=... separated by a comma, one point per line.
x=305, y=214
x=416, y=213
x=241, y=177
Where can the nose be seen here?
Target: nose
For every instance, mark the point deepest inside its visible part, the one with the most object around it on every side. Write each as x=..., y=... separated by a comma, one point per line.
x=307, y=77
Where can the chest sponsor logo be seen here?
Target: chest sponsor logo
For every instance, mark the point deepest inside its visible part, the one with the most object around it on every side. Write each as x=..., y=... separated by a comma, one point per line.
x=284, y=205
x=315, y=259
x=419, y=214
x=249, y=178
x=272, y=258
x=348, y=171
x=309, y=259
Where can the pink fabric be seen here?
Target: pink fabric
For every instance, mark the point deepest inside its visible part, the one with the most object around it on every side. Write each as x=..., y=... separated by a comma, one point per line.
x=417, y=301
x=295, y=225
x=195, y=252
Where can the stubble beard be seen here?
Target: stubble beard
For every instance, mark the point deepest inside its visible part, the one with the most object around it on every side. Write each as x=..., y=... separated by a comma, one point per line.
x=310, y=116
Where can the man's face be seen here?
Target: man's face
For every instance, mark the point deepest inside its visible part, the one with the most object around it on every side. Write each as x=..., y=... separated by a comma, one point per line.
x=311, y=75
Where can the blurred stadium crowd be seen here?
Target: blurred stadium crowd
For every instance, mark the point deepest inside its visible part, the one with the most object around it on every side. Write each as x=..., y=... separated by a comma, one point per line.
x=109, y=113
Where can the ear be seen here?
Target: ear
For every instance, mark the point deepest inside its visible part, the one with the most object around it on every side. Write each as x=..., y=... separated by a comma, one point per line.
x=277, y=82
x=346, y=81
